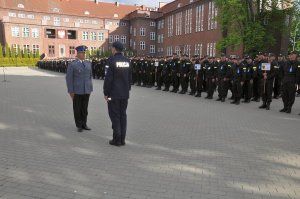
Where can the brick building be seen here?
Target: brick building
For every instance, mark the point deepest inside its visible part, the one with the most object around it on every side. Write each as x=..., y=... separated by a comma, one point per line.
x=56, y=27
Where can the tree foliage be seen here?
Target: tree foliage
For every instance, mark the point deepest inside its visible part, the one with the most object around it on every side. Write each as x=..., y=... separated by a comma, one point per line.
x=255, y=25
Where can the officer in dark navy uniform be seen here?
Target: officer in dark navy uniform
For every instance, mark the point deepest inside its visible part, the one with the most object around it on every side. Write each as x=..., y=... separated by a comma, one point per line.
x=79, y=84
x=117, y=85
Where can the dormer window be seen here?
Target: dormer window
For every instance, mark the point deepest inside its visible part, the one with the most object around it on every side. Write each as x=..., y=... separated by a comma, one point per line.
x=87, y=13
x=21, y=6
x=179, y=5
x=55, y=10
x=116, y=15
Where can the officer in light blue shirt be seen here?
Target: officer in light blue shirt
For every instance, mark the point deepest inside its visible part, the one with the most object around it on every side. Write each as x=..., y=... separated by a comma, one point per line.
x=80, y=86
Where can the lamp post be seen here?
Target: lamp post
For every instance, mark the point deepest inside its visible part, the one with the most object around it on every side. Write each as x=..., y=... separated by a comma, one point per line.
x=296, y=29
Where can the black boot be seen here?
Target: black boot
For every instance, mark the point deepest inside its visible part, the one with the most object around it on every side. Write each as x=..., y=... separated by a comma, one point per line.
x=263, y=106
x=289, y=110
x=268, y=106
x=283, y=110
x=198, y=95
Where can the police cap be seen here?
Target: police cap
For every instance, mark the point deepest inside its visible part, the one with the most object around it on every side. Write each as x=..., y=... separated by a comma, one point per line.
x=81, y=49
x=118, y=46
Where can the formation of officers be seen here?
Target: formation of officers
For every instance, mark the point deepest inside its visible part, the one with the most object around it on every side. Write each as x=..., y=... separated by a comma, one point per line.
x=261, y=78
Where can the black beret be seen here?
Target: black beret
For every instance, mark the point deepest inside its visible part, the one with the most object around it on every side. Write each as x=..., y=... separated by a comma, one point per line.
x=118, y=46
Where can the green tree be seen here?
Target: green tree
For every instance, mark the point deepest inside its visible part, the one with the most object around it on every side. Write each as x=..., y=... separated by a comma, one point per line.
x=252, y=24
x=1, y=51
x=37, y=54
x=19, y=54
x=7, y=52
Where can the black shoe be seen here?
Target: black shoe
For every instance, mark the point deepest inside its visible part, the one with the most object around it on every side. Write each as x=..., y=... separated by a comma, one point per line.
x=198, y=95
x=253, y=99
x=208, y=97
x=268, y=107
x=263, y=106
x=233, y=102
x=182, y=92
x=86, y=128
x=275, y=97
x=158, y=88
x=237, y=102
x=219, y=99
x=246, y=101
x=258, y=100
x=223, y=100
x=79, y=130
x=123, y=143
x=283, y=110
x=112, y=142
x=192, y=93
x=289, y=110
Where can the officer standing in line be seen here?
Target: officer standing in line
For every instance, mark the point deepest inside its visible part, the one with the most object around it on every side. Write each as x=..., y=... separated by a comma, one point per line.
x=79, y=83
x=184, y=70
x=175, y=73
x=117, y=85
x=248, y=71
x=257, y=77
x=193, y=75
x=222, y=79
x=210, y=77
x=267, y=82
x=159, y=65
x=291, y=77
x=167, y=73
x=139, y=71
x=237, y=80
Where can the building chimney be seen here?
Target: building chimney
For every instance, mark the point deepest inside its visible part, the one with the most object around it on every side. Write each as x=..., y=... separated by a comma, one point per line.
x=117, y=3
x=96, y=1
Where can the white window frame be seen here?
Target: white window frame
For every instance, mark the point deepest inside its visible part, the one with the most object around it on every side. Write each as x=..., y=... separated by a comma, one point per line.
x=21, y=15
x=152, y=23
x=85, y=35
x=56, y=21
x=142, y=32
x=111, y=39
x=152, y=36
x=35, y=48
x=15, y=31
x=134, y=31
x=101, y=36
x=142, y=45
x=35, y=33
x=178, y=30
x=66, y=20
x=93, y=36
x=123, y=39
x=30, y=16
x=25, y=32
x=152, y=48
x=116, y=38
x=12, y=14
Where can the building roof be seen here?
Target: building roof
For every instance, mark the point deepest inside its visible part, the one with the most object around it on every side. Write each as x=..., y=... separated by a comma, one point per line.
x=87, y=8
x=177, y=4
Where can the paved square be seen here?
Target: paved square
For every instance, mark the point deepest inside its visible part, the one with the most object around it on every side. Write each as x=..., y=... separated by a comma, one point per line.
x=178, y=147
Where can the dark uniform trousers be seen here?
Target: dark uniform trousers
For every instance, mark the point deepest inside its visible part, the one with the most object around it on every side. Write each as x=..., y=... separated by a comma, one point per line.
x=222, y=88
x=193, y=83
x=175, y=81
x=167, y=81
x=117, y=113
x=211, y=86
x=237, y=90
x=248, y=89
x=267, y=90
x=158, y=79
x=288, y=93
x=199, y=82
x=184, y=82
x=80, y=108
x=257, y=88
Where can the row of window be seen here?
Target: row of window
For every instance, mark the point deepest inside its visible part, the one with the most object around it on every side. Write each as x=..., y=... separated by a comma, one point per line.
x=16, y=32
x=93, y=36
x=142, y=32
x=35, y=48
x=121, y=38
x=199, y=24
x=211, y=49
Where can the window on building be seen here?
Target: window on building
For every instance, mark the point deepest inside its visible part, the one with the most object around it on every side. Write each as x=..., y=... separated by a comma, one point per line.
x=72, y=50
x=101, y=36
x=116, y=38
x=188, y=21
x=15, y=31
x=35, y=33
x=142, y=31
x=152, y=35
x=46, y=18
x=170, y=26
x=130, y=42
x=26, y=47
x=198, y=49
x=177, y=50
x=15, y=48
x=12, y=14
x=72, y=34
x=56, y=21
x=123, y=23
x=55, y=10
x=152, y=48
x=51, y=50
x=21, y=15
x=152, y=23
x=130, y=30
x=158, y=39
x=199, y=18
x=142, y=45
x=30, y=16
x=162, y=23
x=178, y=30
x=66, y=20
x=212, y=16
x=94, y=22
x=94, y=49
x=86, y=21
x=93, y=36
x=50, y=33
x=134, y=31
x=85, y=35
x=21, y=5
x=162, y=38
x=159, y=26
x=123, y=39
x=35, y=49
x=25, y=32
x=111, y=38
x=134, y=45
